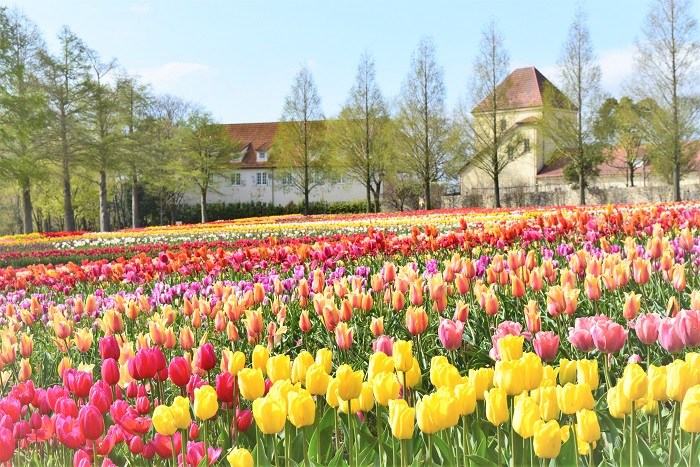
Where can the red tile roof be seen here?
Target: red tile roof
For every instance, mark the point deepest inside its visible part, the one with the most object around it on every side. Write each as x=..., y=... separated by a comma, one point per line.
x=524, y=89
x=252, y=137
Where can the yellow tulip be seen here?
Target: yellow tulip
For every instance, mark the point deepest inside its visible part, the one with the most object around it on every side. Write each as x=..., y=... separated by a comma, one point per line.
x=325, y=358
x=251, y=383
x=569, y=399
x=618, y=404
x=240, y=457
x=445, y=375
x=236, y=362
x=386, y=387
x=332, y=393
x=279, y=368
x=509, y=376
x=466, y=398
x=403, y=355
x=510, y=347
x=587, y=426
x=567, y=371
x=657, y=383
x=270, y=414
x=635, y=382
x=317, y=380
x=349, y=382
x=300, y=366
x=260, y=357
x=549, y=376
x=690, y=410
x=301, y=408
x=587, y=372
x=448, y=407
x=678, y=379
x=496, y=406
x=205, y=402
x=482, y=380
x=401, y=419
x=547, y=439
x=525, y=414
x=163, y=420
x=427, y=414
x=546, y=398
x=534, y=371
x=412, y=377
x=379, y=362
x=281, y=389
x=180, y=411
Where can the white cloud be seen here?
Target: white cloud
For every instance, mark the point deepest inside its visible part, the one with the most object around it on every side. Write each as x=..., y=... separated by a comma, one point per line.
x=617, y=66
x=169, y=76
x=142, y=9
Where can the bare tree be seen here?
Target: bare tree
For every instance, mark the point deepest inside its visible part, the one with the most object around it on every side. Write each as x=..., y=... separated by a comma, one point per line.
x=574, y=138
x=300, y=146
x=422, y=126
x=492, y=142
x=666, y=70
x=362, y=133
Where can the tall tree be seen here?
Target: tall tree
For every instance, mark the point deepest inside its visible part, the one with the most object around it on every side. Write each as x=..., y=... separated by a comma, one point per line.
x=104, y=136
x=362, y=133
x=135, y=100
x=666, y=67
x=207, y=151
x=491, y=144
x=23, y=107
x=300, y=146
x=66, y=79
x=573, y=137
x=422, y=124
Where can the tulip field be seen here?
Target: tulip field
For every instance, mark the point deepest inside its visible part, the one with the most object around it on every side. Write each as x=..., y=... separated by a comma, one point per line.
x=473, y=337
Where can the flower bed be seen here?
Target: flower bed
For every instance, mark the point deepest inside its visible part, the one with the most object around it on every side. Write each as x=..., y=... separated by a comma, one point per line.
x=453, y=337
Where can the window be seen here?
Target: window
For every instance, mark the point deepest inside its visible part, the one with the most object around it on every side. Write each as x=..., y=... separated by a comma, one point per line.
x=527, y=145
x=261, y=179
x=236, y=180
x=286, y=179
x=262, y=156
x=503, y=124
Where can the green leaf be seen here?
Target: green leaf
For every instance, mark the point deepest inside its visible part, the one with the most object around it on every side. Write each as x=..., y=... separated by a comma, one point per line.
x=648, y=458
x=338, y=460
x=367, y=454
x=480, y=461
x=567, y=455
x=263, y=455
x=444, y=449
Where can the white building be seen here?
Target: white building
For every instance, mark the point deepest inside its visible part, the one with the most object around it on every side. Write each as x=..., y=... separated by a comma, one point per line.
x=255, y=178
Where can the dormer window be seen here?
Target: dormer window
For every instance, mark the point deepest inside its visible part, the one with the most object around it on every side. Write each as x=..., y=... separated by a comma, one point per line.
x=262, y=156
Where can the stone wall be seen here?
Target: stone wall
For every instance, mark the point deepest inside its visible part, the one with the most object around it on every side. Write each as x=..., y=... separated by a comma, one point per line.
x=561, y=196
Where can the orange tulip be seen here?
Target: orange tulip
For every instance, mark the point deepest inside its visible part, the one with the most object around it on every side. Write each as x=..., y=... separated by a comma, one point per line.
x=331, y=316
x=186, y=338
x=83, y=340
x=397, y=300
x=490, y=303
x=416, y=293
x=631, y=306
x=377, y=326
x=416, y=320
x=26, y=345
x=517, y=285
x=536, y=282
x=641, y=270
x=304, y=321
x=532, y=317
x=593, y=288
x=25, y=371
x=258, y=292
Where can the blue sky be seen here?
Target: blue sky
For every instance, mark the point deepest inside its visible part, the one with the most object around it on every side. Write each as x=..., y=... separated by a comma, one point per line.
x=238, y=58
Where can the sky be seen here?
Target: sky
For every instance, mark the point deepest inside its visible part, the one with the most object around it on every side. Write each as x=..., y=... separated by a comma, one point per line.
x=238, y=58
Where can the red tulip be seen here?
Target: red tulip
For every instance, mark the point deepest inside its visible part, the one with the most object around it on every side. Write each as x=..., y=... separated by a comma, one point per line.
x=109, y=348
x=179, y=371
x=91, y=422
x=7, y=445
x=21, y=429
x=142, y=365
x=148, y=452
x=243, y=419
x=143, y=405
x=546, y=345
x=224, y=387
x=136, y=445
x=69, y=432
x=163, y=445
x=110, y=371
x=206, y=357
x=101, y=399
x=66, y=407
x=195, y=453
x=24, y=392
x=450, y=333
x=193, y=431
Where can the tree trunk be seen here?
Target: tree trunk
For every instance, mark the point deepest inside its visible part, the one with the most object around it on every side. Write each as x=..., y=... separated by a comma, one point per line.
x=497, y=191
x=203, y=202
x=677, y=182
x=581, y=188
x=104, y=203
x=377, y=193
x=632, y=176
x=427, y=194
x=306, y=202
x=369, y=196
x=134, y=203
x=68, y=213
x=27, y=209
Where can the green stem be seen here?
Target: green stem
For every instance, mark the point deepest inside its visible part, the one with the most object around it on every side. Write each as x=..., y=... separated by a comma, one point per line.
x=575, y=437
x=351, y=442
x=500, y=455
x=465, y=434
x=258, y=446
x=274, y=450
x=305, y=448
x=607, y=372
x=691, y=458
x=379, y=431
x=673, y=433
x=633, y=437
x=318, y=443
x=512, y=437
x=204, y=422
x=183, y=443
x=429, y=457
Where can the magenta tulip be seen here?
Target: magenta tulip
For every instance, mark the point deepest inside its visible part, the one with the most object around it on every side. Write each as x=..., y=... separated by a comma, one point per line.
x=384, y=344
x=91, y=422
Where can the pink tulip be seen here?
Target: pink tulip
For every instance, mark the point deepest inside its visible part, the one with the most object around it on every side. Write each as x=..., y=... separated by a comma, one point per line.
x=608, y=336
x=450, y=333
x=384, y=344
x=689, y=327
x=647, y=327
x=634, y=358
x=546, y=345
x=669, y=336
x=581, y=338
